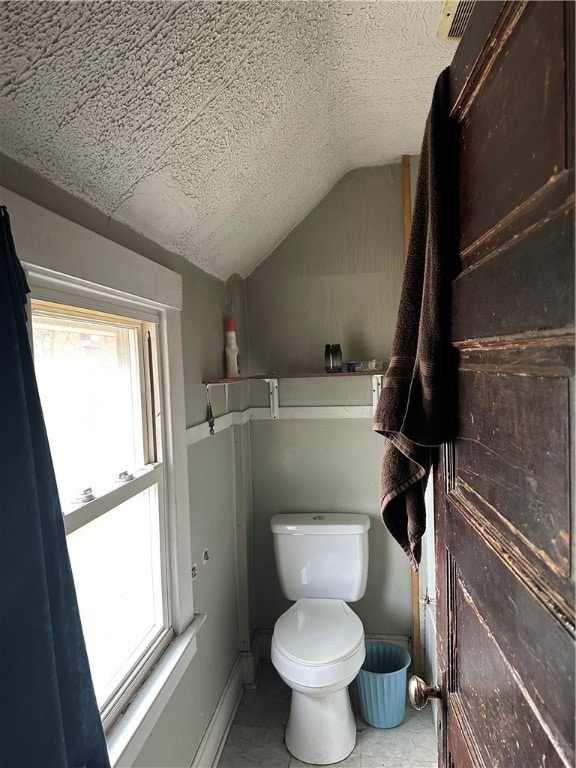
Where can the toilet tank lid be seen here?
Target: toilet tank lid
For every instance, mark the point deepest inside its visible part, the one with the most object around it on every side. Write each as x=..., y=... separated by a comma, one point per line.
x=319, y=523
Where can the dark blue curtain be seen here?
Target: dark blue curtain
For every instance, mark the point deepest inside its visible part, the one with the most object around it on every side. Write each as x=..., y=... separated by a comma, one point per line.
x=48, y=712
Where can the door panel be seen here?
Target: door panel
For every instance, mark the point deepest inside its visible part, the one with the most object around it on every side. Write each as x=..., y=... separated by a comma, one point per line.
x=529, y=633
x=509, y=731
x=506, y=175
x=513, y=437
x=504, y=487
x=537, y=293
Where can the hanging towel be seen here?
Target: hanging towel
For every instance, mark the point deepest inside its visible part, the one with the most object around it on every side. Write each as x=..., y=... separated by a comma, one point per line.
x=414, y=410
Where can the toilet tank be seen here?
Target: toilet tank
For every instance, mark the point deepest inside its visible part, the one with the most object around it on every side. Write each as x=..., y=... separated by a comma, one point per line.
x=321, y=555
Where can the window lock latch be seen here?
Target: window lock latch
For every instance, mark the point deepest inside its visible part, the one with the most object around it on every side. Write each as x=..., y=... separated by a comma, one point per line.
x=84, y=496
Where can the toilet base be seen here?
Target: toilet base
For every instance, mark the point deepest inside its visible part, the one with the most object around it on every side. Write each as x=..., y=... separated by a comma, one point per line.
x=321, y=729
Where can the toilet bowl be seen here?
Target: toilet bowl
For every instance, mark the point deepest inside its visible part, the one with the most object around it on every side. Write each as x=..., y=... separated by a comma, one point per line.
x=318, y=649
x=318, y=643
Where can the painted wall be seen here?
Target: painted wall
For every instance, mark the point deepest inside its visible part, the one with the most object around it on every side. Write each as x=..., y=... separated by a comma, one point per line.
x=336, y=278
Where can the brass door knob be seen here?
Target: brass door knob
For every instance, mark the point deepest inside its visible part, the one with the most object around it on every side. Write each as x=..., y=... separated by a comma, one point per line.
x=419, y=693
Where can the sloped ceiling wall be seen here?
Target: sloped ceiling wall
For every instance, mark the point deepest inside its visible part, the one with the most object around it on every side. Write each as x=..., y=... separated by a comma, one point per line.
x=214, y=128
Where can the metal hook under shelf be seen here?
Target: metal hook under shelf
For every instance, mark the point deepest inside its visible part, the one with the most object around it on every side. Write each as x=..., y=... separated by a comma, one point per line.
x=209, y=412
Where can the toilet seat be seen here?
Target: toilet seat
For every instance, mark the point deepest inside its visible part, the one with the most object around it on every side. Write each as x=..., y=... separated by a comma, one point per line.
x=318, y=642
x=318, y=631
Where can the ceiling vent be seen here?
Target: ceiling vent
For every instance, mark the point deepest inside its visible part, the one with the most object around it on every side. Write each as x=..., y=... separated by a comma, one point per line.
x=455, y=17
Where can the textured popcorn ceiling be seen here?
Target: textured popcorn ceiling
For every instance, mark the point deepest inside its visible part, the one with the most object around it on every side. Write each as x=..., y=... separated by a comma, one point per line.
x=214, y=128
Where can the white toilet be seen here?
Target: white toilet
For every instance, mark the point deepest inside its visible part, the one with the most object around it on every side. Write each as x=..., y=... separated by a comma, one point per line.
x=318, y=643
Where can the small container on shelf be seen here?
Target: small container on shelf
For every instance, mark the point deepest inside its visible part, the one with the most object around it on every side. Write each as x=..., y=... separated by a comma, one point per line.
x=232, y=368
x=332, y=358
x=371, y=365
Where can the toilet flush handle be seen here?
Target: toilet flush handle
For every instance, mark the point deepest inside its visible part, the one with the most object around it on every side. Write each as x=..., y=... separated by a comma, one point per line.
x=419, y=693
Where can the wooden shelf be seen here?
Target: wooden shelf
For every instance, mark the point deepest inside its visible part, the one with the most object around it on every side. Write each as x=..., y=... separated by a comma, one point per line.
x=320, y=375
x=315, y=375
x=228, y=381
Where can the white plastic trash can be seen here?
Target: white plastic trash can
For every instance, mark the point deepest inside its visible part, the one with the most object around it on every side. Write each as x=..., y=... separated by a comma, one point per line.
x=382, y=684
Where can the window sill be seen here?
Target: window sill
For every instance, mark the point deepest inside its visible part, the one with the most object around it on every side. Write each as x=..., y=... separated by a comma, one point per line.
x=130, y=732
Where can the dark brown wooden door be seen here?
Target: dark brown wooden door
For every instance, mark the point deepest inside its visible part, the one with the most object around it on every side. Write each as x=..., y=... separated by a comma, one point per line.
x=504, y=489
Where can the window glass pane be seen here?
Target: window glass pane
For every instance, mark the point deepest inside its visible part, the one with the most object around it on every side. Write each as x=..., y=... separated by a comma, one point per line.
x=88, y=377
x=116, y=565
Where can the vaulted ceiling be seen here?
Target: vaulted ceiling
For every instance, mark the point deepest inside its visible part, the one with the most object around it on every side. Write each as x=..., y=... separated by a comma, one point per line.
x=213, y=128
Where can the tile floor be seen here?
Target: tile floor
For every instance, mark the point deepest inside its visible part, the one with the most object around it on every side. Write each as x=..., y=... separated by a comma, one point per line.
x=256, y=737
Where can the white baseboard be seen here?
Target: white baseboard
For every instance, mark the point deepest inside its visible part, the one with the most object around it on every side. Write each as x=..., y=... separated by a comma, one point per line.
x=250, y=661
x=214, y=738
x=264, y=644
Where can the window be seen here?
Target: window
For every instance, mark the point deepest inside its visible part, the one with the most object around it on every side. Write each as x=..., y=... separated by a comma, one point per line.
x=98, y=376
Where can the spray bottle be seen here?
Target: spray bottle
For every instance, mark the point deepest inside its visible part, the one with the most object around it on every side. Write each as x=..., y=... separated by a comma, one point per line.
x=232, y=369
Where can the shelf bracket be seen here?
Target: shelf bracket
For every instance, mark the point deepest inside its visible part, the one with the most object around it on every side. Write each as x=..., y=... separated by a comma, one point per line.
x=224, y=384
x=377, y=382
x=209, y=413
x=274, y=403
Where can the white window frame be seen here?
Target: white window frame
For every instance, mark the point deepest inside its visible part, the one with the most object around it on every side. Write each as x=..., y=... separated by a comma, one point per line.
x=63, y=259
x=78, y=515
